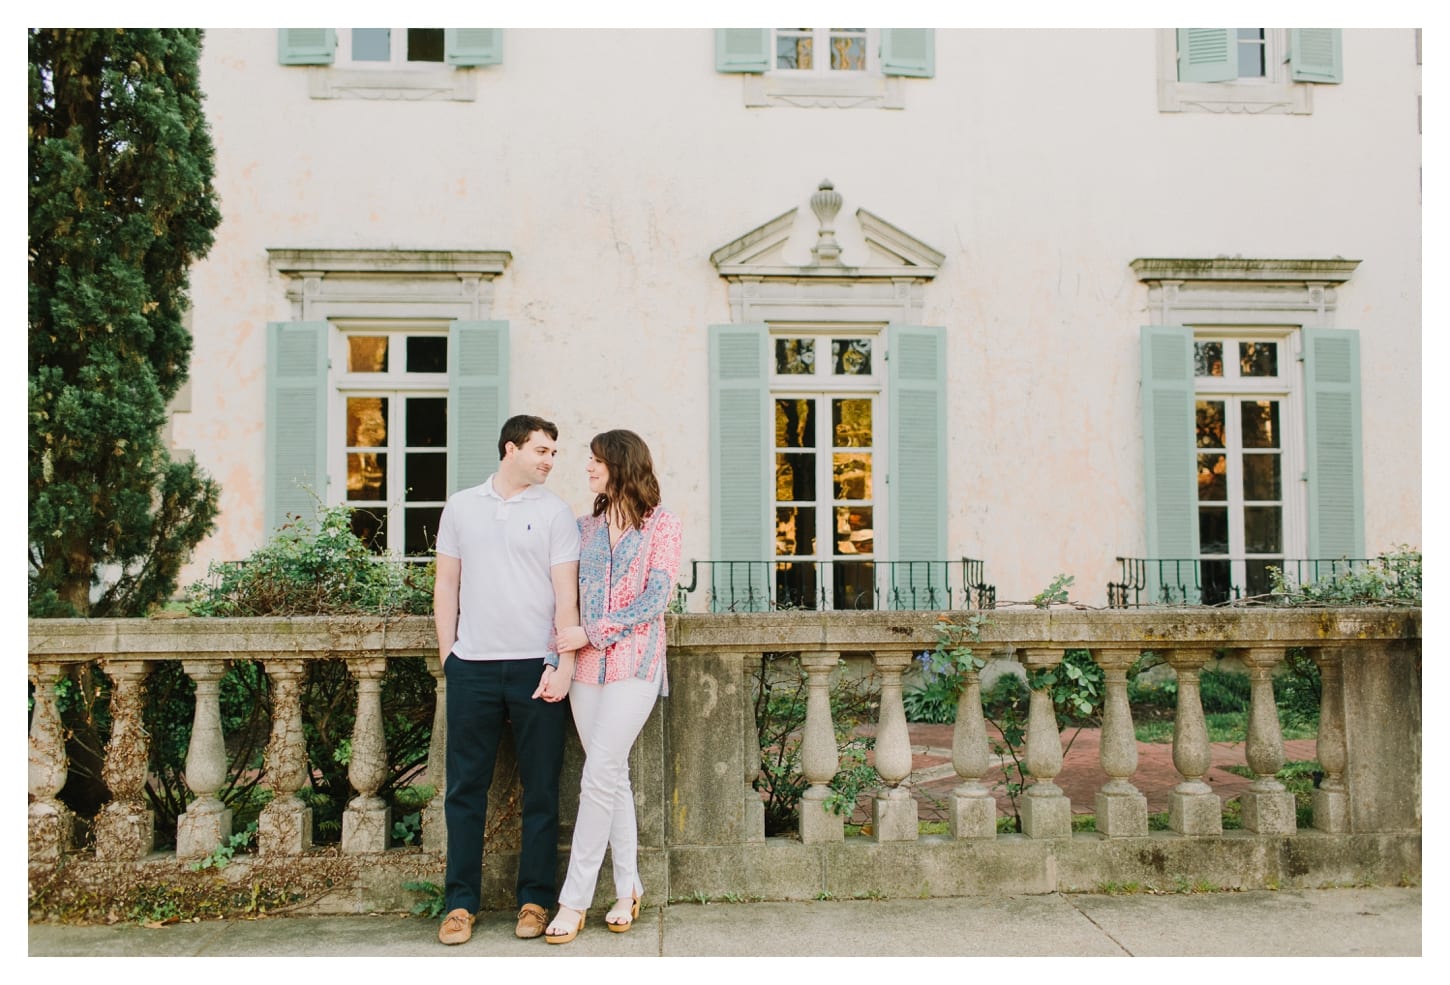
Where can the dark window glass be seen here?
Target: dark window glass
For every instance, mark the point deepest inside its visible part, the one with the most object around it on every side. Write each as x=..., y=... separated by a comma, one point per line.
x=1263, y=530
x=795, y=423
x=1217, y=586
x=427, y=422
x=795, y=477
x=1212, y=478
x=371, y=528
x=425, y=44
x=1210, y=424
x=1259, y=358
x=795, y=585
x=1261, y=477
x=421, y=529
x=426, y=476
x=1213, y=529
x=1260, y=423
x=854, y=584
x=1208, y=359
x=427, y=354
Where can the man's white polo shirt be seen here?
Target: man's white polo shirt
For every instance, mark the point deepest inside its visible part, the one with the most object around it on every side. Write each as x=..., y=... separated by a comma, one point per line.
x=507, y=547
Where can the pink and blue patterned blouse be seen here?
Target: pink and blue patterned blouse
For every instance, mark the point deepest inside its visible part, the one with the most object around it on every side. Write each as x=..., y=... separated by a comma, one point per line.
x=623, y=595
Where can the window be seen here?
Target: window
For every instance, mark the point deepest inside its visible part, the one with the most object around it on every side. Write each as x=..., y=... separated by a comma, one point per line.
x=386, y=390
x=390, y=63
x=375, y=47
x=824, y=406
x=1245, y=69
x=841, y=67
x=1251, y=423
x=1243, y=408
x=390, y=433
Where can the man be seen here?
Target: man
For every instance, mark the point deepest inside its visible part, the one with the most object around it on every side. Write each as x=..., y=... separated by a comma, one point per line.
x=508, y=564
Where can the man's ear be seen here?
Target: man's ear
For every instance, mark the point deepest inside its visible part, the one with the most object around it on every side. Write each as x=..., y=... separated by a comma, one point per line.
x=508, y=449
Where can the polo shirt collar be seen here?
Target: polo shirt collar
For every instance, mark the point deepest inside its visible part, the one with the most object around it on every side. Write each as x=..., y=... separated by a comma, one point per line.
x=528, y=492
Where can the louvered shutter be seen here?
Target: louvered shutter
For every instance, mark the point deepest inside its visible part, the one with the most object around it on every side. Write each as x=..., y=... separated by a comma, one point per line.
x=916, y=453
x=296, y=441
x=1207, y=54
x=306, y=45
x=742, y=49
x=468, y=46
x=1169, y=462
x=908, y=51
x=1315, y=55
x=1334, y=454
x=741, y=512
x=477, y=399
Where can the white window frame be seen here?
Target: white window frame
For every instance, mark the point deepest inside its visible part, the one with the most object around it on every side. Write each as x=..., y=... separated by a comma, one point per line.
x=1287, y=388
x=396, y=78
x=396, y=384
x=823, y=386
x=397, y=53
x=1274, y=93
x=822, y=86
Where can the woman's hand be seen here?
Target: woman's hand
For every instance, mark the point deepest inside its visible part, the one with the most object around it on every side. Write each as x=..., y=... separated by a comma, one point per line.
x=553, y=685
x=571, y=638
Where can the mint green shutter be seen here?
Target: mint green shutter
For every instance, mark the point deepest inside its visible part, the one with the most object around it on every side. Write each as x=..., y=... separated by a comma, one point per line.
x=1315, y=55
x=742, y=49
x=1170, y=467
x=741, y=504
x=306, y=45
x=916, y=450
x=1207, y=54
x=908, y=51
x=296, y=420
x=466, y=46
x=1334, y=454
x=478, y=361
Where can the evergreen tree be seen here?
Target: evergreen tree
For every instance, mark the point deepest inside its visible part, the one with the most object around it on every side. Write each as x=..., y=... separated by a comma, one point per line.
x=121, y=205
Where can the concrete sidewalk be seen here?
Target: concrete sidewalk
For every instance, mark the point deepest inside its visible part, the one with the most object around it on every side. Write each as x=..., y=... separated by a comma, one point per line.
x=1301, y=923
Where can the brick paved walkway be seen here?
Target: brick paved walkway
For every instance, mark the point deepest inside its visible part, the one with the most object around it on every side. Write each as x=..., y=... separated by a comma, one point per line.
x=933, y=778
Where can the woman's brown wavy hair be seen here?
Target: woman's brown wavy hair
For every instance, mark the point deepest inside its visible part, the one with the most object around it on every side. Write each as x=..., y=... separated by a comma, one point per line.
x=632, y=487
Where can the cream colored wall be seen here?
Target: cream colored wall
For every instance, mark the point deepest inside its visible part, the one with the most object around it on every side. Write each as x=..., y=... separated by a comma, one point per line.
x=611, y=164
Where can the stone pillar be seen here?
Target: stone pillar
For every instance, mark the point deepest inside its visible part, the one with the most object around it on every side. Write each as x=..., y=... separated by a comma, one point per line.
x=974, y=809
x=1121, y=810
x=51, y=822
x=435, y=827
x=125, y=828
x=1046, y=811
x=753, y=816
x=285, y=824
x=893, y=810
x=1268, y=807
x=820, y=759
x=367, y=820
x=207, y=822
x=1193, y=807
x=1331, y=797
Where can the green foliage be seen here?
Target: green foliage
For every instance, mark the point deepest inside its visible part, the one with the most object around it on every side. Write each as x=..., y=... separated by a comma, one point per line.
x=222, y=856
x=944, y=668
x=121, y=206
x=1055, y=592
x=934, y=700
x=319, y=568
x=432, y=902
x=1224, y=691
x=780, y=715
x=1393, y=578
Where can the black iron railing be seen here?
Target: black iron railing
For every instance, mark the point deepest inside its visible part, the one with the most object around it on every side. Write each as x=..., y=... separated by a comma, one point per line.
x=759, y=586
x=1208, y=581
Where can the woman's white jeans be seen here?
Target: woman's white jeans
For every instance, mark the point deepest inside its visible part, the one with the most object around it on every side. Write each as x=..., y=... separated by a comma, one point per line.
x=609, y=718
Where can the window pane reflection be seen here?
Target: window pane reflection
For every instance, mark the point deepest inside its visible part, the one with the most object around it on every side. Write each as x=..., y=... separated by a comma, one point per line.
x=795, y=357
x=367, y=475
x=1208, y=359
x=1261, y=477
x=854, y=585
x=1213, y=478
x=795, y=531
x=1210, y=424
x=1261, y=423
x=367, y=353
x=1259, y=358
x=851, y=423
x=848, y=50
x=1263, y=530
x=854, y=533
x=852, y=472
x=795, y=586
x=1213, y=529
x=851, y=357
x=793, y=47
x=795, y=423
x=795, y=477
x=367, y=422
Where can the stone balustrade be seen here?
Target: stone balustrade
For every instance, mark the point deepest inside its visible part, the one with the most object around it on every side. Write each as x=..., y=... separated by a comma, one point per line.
x=701, y=821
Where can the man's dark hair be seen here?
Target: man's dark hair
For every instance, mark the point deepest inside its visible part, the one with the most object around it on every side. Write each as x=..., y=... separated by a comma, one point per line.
x=518, y=428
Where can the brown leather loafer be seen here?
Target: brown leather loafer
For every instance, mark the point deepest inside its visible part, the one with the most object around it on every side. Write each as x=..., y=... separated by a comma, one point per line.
x=457, y=927
x=531, y=921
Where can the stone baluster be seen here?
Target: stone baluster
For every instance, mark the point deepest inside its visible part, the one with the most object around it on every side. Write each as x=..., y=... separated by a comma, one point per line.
x=126, y=827
x=893, y=809
x=1331, y=797
x=820, y=758
x=51, y=822
x=435, y=826
x=1046, y=811
x=1193, y=807
x=1121, y=809
x=207, y=822
x=1268, y=808
x=974, y=809
x=368, y=819
x=285, y=824
x=753, y=818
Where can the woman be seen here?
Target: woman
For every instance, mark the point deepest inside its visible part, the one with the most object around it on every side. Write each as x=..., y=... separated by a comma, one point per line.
x=629, y=555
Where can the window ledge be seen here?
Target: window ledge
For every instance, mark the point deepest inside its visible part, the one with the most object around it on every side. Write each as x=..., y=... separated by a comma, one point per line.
x=857, y=91
x=440, y=82
x=1294, y=98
